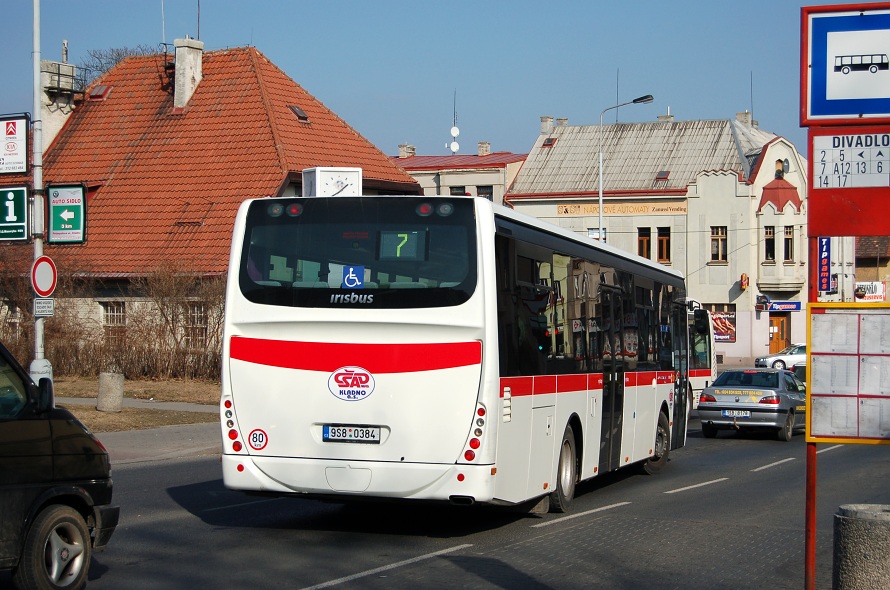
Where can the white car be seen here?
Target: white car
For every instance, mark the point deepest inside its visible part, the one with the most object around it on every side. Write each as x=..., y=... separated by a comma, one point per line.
x=784, y=359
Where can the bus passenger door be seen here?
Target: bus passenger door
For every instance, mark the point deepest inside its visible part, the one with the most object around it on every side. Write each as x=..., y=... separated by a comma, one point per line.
x=682, y=389
x=613, y=380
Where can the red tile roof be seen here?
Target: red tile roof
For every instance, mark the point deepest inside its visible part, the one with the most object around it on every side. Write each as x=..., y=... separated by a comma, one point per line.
x=170, y=181
x=493, y=160
x=780, y=192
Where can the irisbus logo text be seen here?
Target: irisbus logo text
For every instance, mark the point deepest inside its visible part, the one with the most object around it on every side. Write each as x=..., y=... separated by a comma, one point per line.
x=351, y=383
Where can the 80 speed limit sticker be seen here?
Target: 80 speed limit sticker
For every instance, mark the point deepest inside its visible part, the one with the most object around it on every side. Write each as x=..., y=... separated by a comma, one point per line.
x=257, y=439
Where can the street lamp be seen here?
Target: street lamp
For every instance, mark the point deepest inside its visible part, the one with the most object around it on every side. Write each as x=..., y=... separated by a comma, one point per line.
x=640, y=100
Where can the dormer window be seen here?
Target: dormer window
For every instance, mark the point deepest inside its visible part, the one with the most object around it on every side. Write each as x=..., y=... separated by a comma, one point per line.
x=100, y=92
x=300, y=113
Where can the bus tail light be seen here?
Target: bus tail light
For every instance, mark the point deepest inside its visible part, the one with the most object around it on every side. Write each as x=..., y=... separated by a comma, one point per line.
x=474, y=440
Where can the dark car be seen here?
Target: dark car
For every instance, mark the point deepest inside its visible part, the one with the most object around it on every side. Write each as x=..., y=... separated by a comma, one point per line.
x=55, y=486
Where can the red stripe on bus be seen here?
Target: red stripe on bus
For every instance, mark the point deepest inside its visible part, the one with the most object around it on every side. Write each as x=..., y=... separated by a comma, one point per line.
x=700, y=372
x=376, y=358
x=548, y=384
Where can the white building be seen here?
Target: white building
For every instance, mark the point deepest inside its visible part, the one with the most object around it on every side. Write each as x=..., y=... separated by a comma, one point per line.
x=722, y=201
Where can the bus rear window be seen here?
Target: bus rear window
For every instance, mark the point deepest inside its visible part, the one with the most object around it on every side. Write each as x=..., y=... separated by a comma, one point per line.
x=369, y=252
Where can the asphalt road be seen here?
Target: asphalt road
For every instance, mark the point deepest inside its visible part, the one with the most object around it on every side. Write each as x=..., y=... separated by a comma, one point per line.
x=725, y=513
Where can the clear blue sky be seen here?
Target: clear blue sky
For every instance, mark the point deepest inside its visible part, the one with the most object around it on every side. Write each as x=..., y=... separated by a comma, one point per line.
x=391, y=68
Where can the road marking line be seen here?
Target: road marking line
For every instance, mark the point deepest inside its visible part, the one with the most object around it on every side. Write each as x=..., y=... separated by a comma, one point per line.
x=698, y=485
x=829, y=449
x=386, y=568
x=773, y=464
x=565, y=518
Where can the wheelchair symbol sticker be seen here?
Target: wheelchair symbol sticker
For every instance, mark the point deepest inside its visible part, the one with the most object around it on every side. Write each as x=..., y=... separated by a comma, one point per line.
x=353, y=277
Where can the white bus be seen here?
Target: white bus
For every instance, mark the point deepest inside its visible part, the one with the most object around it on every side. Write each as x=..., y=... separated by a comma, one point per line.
x=702, y=355
x=442, y=349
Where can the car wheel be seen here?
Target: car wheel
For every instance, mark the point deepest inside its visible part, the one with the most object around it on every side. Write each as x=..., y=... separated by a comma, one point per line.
x=787, y=430
x=566, y=474
x=56, y=553
x=779, y=365
x=662, y=449
x=708, y=430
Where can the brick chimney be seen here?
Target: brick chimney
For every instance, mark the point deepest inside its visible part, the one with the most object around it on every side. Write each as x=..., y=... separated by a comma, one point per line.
x=746, y=118
x=407, y=150
x=484, y=148
x=188, y=70
x=546, y=125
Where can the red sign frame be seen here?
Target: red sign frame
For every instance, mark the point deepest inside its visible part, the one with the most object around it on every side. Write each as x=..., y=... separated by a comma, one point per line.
x=55, y=276
x=846, y=211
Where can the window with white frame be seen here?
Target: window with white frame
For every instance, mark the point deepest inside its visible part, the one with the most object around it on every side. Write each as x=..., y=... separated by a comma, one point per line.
x=114, y=321
x=789, y=243
x=196, y=325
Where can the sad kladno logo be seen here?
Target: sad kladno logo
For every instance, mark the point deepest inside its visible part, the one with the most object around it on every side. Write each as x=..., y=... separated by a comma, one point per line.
x=351, y=383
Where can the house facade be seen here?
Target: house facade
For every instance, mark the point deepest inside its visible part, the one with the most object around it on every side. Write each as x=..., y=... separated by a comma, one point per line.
x=165, y=148
x=722, y=201
x=486, y=174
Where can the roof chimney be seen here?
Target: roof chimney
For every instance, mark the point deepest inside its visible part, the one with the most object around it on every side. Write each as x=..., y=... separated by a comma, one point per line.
x=666, y=118
x=546, y=125
x=746, y=118
x=407, y=150
x=484, y=148
x=188, y=70
x=562, y=122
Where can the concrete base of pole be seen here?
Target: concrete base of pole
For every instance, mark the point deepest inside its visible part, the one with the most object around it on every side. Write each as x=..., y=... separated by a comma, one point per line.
x=111, y=392
x=861, y=547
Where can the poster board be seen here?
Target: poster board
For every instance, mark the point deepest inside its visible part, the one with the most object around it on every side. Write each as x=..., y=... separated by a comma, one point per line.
x=848, y=373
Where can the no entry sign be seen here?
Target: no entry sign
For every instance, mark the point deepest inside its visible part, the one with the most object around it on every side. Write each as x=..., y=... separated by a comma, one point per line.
x=43, y=276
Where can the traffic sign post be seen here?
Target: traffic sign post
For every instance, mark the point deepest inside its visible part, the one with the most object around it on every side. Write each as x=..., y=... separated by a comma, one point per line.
x=14, y=213
x=67, y=221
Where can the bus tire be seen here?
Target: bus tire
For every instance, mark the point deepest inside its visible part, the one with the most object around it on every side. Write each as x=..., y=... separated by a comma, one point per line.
x=662, y=449
x=566, y=473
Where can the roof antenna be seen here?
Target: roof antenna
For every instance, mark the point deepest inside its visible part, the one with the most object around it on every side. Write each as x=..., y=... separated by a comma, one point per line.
x=752, y=94
x=163, y=32
x=199, y=20
x=454, y=146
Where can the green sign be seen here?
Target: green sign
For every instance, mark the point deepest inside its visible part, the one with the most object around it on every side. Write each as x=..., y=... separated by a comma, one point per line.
x=14, y=213
x=66, y=215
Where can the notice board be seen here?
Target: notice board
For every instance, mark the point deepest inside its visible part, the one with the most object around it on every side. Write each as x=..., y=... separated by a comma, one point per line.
x=848, y=373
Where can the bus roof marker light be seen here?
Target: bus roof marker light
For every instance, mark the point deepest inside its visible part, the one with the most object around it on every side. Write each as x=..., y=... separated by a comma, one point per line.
x=294, y=210
x=424, y=209
x=275, y=210
x=445, y=209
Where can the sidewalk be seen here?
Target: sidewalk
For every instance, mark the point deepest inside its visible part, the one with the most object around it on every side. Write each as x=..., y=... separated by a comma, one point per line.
x=155, y=444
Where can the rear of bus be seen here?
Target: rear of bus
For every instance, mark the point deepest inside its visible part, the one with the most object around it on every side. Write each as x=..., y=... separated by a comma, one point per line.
x=353, y=345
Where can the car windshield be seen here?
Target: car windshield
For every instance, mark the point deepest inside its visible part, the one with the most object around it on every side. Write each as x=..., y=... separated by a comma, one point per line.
x=758, y=379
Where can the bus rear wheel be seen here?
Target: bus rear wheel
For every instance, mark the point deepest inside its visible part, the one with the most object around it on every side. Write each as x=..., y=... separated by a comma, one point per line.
x=662, y=449
x=566, y=473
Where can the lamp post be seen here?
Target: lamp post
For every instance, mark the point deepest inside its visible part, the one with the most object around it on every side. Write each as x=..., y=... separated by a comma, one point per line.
x=639, y=100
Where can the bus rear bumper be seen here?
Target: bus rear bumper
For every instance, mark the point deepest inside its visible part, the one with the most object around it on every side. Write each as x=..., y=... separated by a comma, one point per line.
x=416, y=481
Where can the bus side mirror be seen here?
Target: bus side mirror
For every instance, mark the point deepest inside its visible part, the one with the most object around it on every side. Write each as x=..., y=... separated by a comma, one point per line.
x=700, y=321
